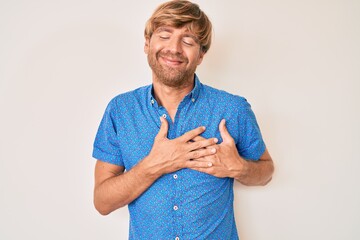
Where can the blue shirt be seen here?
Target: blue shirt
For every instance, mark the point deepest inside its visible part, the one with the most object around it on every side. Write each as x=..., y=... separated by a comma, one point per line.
x=186, y=204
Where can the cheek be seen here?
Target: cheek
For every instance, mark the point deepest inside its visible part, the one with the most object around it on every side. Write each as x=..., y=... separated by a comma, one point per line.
x=155, y=47
x=195, y=59
x=194, y=55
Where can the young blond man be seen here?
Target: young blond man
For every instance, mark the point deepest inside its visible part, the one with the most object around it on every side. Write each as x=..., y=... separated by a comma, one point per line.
x=171, y=150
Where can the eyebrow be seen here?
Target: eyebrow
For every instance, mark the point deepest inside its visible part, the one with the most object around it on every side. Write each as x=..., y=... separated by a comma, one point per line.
x=163, y=29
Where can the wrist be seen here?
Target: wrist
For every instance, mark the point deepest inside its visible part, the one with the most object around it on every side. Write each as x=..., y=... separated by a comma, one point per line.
x=149, y=170
x=242, y=169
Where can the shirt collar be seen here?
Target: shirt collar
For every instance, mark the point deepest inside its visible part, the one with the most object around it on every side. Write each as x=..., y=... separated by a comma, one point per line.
x=193, y=95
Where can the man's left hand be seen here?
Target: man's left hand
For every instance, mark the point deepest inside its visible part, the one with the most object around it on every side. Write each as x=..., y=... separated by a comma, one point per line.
x=226, y=162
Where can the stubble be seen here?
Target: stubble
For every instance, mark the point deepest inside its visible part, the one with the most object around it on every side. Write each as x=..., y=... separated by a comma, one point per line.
x=169, y=76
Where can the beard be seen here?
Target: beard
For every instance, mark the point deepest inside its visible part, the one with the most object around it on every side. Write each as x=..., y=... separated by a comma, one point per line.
x=169, y=76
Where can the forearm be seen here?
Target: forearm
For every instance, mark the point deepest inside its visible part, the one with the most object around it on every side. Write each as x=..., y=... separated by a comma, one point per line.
x=255, y=173
x=118, y=191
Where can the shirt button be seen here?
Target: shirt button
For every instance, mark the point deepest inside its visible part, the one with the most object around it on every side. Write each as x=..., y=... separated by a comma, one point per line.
x=193, y=99
x=176, y=208
x=177, y=238
x=152, y=101
x=164, y=115
x=175, y=176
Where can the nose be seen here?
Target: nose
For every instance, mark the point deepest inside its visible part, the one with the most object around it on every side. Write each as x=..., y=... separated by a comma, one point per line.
x=174, y=45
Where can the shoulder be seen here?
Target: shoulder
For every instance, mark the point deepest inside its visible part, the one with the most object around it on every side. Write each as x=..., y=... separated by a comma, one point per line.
x=225, y=98
x=126, y=101
x=131, y=97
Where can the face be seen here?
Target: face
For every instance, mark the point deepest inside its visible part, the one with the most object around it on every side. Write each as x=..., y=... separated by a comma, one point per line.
x=173, y=55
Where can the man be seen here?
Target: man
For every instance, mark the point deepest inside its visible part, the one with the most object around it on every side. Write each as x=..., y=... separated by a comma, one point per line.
x=171, y=150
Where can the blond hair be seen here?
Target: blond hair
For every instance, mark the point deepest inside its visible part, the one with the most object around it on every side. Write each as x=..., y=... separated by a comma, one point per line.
x=179, y=13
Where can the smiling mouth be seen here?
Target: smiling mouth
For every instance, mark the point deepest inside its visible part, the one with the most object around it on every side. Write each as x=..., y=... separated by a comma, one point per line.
x=170, y=61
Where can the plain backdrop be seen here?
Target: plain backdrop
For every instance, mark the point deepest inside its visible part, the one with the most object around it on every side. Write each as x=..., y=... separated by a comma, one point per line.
x=297, y=63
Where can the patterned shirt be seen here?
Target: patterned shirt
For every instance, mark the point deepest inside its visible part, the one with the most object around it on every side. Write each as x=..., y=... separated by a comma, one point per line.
x=186, y=204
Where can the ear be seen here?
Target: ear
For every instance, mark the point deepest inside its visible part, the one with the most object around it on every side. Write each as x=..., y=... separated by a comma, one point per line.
x=147, y=45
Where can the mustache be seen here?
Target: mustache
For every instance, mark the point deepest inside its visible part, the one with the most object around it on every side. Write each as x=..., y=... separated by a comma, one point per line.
x=176, y=56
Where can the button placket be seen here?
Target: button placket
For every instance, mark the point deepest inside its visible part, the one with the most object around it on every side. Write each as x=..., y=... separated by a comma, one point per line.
x=175, y=208
x=176, y=179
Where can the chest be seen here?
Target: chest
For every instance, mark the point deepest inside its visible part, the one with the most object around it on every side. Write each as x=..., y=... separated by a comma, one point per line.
x=136, y=132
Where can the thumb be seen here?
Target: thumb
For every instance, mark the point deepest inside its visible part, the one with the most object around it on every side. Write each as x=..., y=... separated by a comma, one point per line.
x=225, y=135
x=164, y=127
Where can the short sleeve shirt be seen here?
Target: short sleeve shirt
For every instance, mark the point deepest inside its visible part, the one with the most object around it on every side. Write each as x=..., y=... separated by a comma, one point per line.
x=186, y=204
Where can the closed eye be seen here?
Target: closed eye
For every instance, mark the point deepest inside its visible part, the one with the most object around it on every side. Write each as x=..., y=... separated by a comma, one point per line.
x=188, y=43
x=164, y=37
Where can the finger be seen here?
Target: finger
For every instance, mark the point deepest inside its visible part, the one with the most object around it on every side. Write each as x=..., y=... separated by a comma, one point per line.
x=202, y=144
x=198, y=165
x=225, y=135
x=200, y=153
x=204, y=159
x=198, y=138
x=191, y=134
x=164, y=127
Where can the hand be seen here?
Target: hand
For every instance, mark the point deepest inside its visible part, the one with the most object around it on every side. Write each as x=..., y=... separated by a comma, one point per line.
x=168, y=156
x=226, y=162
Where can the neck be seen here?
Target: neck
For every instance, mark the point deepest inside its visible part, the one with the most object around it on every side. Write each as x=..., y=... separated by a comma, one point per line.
x=170, y=97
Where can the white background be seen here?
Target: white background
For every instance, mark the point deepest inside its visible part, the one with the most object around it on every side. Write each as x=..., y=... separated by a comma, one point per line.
x=297, y=63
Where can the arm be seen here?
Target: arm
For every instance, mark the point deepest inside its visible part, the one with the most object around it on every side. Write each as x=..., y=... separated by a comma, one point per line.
x=115, y=188
x=255, y=173
x=228, y=163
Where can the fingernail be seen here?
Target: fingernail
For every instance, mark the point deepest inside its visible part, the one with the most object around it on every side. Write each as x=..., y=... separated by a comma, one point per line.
x=213, y=150
x=209, y=164
x=203, y=128
x=216, y=140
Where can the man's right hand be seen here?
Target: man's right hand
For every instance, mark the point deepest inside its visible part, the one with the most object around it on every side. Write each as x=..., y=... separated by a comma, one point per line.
x=115, y=188
x=168, y=156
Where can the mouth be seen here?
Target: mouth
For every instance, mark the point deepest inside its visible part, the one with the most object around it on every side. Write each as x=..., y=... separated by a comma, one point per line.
x=172, y=61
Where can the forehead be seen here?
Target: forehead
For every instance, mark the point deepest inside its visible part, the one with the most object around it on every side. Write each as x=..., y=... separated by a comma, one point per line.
x=182, y=30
